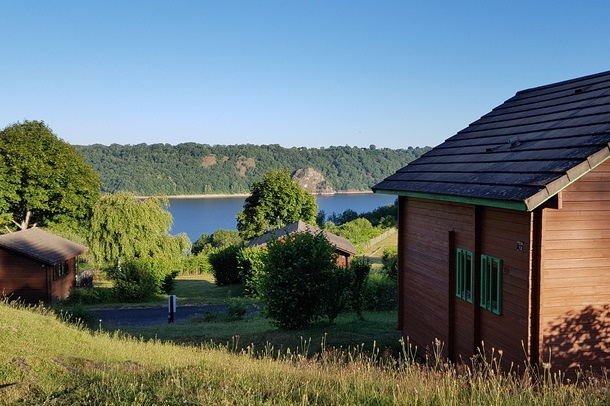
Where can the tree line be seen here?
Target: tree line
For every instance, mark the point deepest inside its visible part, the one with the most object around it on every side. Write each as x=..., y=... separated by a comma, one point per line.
x=192, y=168
x=45, y=182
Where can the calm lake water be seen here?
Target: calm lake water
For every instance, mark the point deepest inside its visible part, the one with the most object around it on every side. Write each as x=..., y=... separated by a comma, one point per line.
x=197, y=216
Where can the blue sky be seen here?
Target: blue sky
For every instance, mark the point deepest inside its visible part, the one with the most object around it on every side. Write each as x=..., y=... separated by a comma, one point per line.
x=295, y=73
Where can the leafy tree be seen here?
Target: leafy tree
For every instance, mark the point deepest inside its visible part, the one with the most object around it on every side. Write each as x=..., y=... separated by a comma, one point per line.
x=219, y=239
x=123, y=227
x=296, y=271
x=42, y=178
x=225, y=265
x=192, y=168
x=275, y=201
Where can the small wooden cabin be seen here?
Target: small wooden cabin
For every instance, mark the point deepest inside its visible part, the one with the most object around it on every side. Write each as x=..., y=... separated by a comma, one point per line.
x=343, y=247
x=504, y=231
x=36, y=265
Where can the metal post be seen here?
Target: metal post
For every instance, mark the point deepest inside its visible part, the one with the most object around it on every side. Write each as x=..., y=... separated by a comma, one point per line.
x=171, y=308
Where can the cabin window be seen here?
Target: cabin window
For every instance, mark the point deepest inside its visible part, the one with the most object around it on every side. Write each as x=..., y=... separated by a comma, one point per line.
x=491, y=284
x=61, y=269
x=463, y=274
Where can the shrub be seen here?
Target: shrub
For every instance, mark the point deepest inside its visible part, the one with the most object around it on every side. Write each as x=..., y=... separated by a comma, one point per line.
x=357, y=231
x=169, y=282
x=360, y=268
x=389, y=259
x=237, y=309
x=225, y=266
x=219, y=239
x=133, y=283
x=251, y=265
x=380, y=293
x=296, y=271
x=89, y=296
x=140, y=279
x=337, y=296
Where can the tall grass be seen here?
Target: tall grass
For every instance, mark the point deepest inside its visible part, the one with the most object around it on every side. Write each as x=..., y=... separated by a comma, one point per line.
x=45, y=361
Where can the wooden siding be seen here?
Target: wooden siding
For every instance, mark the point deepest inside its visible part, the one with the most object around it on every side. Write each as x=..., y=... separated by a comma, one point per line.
x=575, y=295
x=63, y=285
x=502, y=231
x=424, y=280
x=429, y=310
x=22, y=277
x=29, y=280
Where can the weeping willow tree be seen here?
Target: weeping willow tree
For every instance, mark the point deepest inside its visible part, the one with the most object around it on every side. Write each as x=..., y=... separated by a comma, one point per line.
x=124, y=227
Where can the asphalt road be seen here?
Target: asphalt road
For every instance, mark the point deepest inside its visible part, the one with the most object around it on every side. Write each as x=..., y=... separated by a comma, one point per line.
x=152, y=316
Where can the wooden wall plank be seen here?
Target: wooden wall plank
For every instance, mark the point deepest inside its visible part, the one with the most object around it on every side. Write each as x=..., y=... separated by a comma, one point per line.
x=576, y=241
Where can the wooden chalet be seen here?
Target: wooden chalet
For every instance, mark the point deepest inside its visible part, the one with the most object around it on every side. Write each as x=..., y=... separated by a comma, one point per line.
x=36, y=265
x=343, y=247
x=504, y=231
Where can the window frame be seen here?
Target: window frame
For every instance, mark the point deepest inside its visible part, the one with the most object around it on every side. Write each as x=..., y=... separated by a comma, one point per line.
x=464, y=274
x=61, y=269
x=490, y=297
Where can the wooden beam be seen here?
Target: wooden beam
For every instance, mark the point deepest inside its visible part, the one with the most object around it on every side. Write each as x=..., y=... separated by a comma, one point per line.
x=476, y=294
x=451, y=297
x=534, y=328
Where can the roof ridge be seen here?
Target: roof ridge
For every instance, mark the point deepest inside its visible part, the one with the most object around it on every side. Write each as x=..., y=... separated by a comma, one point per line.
x=563, y=82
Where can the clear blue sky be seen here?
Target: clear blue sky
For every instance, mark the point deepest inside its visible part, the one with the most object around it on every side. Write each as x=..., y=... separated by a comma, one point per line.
x=295, y=73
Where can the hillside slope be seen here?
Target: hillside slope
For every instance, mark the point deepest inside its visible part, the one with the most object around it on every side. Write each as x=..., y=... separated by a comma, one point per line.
x=164, y=169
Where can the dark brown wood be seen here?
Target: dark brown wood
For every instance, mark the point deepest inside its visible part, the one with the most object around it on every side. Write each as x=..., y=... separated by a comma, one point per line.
x=476, y=296
x=451, y=296
x=534, y=335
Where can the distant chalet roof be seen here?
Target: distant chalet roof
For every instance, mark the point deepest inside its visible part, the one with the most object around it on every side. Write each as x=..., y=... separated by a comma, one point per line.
x=520, y=154
x=339, y=243
x=41, y=245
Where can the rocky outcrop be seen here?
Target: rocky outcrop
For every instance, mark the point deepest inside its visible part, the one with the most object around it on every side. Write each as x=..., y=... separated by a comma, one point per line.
x=312, y=181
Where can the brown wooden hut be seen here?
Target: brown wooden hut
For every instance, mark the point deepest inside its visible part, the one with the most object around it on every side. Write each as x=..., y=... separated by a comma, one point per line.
x=504, y=231
x=343, y=247
x=36, y=265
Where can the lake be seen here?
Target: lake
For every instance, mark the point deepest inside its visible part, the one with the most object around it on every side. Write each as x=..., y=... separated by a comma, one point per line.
x=197, y=216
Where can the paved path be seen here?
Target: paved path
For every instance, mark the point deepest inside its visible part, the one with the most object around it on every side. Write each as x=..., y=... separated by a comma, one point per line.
x=152, y=316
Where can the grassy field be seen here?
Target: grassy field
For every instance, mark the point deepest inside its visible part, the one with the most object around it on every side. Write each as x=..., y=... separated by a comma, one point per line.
x=46, y=361
x=216, y=361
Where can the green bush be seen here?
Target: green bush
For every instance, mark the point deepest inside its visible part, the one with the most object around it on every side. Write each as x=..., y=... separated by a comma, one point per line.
x=225, y=265
x=296, y=272
x=338, y=292
x=357, y=231
x=219, y=239
x=251, y=264
x=360, y=269
x=87, y=296
x=237, y=309
x=389, y=259
x=381, y=293
x=140, y=279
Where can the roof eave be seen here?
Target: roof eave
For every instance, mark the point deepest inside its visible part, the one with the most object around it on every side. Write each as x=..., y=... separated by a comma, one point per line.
x=505, y=204
x=571, y=176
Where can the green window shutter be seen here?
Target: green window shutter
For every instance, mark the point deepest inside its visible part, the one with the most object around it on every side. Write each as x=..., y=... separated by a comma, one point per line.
x=491, y=284
x=464, y=274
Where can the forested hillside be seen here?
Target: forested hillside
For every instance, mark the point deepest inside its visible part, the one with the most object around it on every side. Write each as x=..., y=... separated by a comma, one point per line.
x=191, y=168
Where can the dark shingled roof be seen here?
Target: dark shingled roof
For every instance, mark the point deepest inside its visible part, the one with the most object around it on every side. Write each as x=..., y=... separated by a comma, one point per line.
x=41, y=245
x=340, y=243
x=521, y=153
